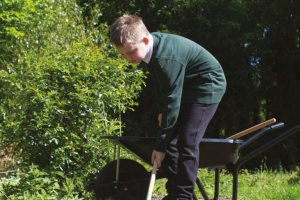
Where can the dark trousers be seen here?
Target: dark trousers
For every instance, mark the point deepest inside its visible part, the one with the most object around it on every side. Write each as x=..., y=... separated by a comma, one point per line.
x=182, y=156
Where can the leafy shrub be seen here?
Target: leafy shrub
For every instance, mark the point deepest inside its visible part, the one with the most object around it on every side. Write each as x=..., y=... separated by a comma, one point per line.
x=62, y=91
x=37, y=184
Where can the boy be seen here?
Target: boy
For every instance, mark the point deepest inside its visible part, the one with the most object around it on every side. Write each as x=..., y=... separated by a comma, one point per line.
x=190, y=83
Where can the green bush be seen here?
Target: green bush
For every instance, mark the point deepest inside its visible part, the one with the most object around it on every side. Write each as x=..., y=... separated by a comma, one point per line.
x=62, y=91
x=37, y=184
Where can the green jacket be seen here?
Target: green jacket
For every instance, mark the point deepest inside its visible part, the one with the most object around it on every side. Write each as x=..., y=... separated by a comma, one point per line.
x=183, y=72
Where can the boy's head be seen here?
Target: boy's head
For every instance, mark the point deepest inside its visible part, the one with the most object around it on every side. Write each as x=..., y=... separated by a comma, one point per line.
x=130, y=36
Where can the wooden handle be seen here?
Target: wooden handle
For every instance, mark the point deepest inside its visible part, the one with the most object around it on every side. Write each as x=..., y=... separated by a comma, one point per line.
x=152, y=181
x=253, y=128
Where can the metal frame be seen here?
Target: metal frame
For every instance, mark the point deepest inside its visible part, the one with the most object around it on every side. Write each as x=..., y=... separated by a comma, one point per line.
x=234, y=168
x=117, y=155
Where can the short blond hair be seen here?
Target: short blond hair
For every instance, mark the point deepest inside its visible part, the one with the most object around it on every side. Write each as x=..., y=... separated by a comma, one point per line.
x=127, y=29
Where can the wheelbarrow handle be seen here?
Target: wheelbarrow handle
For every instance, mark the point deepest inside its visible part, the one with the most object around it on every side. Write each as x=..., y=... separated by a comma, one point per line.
x=152, y=181
x=252, y=129
x=260, y=134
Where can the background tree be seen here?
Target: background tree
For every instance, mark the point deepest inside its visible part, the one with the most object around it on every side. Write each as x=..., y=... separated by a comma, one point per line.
x=275, y=45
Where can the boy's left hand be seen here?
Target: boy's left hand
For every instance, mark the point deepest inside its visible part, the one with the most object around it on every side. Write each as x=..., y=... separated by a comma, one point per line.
x=157, y=157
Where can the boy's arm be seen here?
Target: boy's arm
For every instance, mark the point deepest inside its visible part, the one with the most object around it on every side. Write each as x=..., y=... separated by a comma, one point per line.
x=170, y=77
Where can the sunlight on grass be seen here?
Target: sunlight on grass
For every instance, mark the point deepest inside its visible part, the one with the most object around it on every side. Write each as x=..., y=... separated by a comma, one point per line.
x=258, y=185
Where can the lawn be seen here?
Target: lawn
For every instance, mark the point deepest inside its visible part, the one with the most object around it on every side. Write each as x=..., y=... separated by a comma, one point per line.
x=257, y=185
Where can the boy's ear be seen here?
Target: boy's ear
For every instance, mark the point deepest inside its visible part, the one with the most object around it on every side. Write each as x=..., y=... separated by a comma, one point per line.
x=146, y=40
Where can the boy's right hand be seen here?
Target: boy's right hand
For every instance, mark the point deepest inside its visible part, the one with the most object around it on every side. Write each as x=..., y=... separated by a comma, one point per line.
x=157, y=157
x=159, y=118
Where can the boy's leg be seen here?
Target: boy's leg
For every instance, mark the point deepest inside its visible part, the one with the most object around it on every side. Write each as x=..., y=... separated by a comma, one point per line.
x=169, y=165
x=192, y=123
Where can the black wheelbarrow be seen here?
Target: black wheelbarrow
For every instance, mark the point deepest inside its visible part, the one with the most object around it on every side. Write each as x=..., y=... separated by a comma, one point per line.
x=126, y=179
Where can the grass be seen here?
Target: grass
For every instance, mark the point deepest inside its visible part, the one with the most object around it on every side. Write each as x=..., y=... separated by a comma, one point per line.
x=258, y=185
x=261, y=184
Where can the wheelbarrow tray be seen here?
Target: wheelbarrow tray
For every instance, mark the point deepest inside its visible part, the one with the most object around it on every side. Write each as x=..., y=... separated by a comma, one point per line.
x=214, y=152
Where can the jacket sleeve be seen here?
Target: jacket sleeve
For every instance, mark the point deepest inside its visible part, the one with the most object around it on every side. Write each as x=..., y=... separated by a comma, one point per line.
x=170, y=78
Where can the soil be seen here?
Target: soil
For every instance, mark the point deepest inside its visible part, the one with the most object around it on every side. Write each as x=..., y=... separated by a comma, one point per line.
x=159, y=198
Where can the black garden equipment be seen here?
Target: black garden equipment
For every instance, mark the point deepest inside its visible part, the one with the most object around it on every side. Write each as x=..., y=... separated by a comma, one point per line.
x=125, y=179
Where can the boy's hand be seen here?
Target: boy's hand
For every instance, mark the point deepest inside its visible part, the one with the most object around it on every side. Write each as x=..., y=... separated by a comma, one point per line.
x=157, y=157
x=159, y=119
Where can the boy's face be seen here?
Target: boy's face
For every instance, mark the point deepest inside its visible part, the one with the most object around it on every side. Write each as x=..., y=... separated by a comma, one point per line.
x=134, y=53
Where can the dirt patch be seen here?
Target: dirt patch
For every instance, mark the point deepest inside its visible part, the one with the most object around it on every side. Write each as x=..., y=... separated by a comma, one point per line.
x=159, y=198
x=7, y=158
